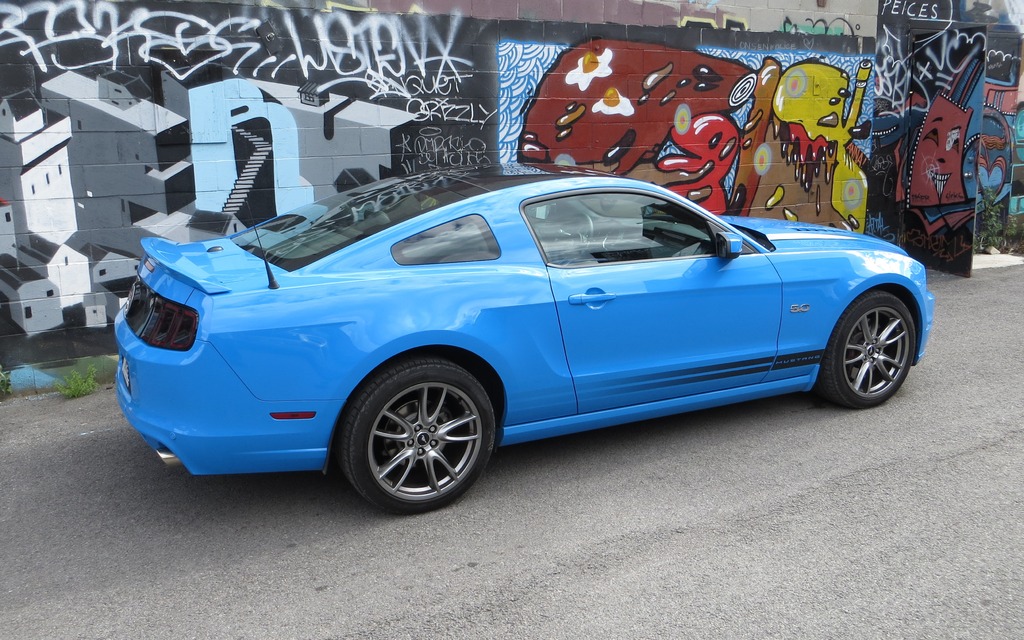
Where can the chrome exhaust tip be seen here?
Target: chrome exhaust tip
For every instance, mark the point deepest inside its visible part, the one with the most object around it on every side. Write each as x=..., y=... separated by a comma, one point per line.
x=169, y=458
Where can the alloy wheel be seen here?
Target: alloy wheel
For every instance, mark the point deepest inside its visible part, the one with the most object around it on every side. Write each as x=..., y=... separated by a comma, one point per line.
x=425, y=441
x=877, y=351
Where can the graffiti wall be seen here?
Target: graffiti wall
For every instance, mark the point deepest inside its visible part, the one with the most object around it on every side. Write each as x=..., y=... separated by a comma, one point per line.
x=740, y=132
x=124, y=120
x=851, y=17
x=121, y=120
x=1001, y=153
x=944, y=147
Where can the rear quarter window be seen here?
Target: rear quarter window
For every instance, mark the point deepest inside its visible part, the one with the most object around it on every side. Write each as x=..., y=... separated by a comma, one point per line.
x=467, y=239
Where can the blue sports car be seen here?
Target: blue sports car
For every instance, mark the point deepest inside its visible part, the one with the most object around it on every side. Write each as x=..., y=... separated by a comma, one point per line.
x=406, y=328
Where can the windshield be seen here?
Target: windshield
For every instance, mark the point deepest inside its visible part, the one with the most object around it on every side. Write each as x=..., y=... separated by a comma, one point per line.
x=311, y=232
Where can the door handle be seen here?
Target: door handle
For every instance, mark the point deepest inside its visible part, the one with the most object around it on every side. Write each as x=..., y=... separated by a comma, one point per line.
x=590, y=298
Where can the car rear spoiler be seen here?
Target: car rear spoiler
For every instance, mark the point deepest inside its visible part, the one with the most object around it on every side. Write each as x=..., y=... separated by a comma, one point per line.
x=178, y=263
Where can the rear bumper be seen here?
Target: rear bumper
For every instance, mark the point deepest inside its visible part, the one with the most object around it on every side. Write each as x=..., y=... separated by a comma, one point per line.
x=191, y=406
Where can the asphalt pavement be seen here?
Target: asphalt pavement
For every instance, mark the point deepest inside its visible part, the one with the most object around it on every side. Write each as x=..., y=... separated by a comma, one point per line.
x=782, y=518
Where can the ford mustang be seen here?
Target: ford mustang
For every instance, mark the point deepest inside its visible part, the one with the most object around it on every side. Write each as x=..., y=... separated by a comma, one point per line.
x=406, y=328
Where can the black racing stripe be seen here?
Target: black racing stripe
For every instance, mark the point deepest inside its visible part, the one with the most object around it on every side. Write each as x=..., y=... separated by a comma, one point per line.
x=802, y=359
x=696, y=374
x=727, y=374
x=675, y=381
x=678, y=380
x=728, y=365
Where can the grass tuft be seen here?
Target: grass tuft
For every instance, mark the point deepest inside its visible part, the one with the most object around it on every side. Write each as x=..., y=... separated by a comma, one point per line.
x=75, y=385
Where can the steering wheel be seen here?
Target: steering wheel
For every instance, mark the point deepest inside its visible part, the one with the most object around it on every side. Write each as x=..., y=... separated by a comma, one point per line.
x=576, y=225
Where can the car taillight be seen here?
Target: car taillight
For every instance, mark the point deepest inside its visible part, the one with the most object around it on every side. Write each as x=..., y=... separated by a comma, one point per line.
x=171, y=326
x=159, y=322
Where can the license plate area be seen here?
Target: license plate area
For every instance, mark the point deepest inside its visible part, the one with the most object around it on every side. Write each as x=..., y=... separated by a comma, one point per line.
x=125, y=374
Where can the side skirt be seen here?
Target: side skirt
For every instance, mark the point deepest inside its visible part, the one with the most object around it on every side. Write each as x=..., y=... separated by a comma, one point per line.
x=515, y=434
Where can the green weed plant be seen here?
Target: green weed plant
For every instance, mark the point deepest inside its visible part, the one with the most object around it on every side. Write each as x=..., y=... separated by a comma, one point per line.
x=75, y=385
x=5, y=382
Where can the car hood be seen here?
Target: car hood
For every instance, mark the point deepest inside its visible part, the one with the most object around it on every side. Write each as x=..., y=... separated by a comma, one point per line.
x=803, y=236
x=215, y=266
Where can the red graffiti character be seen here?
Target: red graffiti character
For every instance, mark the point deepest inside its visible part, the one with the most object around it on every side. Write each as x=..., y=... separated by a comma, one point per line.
x=700, y=157
x=936, y=169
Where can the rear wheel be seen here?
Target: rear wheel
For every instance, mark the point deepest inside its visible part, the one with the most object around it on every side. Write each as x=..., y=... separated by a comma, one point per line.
x=416, y=436
x=869, y=353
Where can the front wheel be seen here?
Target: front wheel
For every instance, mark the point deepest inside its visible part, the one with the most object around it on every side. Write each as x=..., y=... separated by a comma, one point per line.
x=869, y=353
x=416, y=436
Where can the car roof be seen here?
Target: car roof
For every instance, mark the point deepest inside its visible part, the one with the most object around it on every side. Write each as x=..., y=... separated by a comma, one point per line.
x=478, y=180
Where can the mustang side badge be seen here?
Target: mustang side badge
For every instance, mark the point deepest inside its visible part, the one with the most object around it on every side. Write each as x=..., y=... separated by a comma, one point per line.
x=799, y=308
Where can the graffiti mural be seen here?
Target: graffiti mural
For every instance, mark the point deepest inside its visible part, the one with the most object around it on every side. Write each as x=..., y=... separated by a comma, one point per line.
x=132, y=118
x=1001, y=158
x=1016, y=204
x=943, y=141
x=999, y=122
x=832, y=27
x=121, y=120
x=740, y=133
x=942, y=146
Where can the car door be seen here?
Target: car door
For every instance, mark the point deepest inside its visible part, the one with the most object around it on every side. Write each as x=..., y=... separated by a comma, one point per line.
x=648, y=312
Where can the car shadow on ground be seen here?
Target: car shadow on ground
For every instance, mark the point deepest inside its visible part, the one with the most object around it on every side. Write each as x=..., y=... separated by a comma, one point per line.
x=103, y=497
x=125, y=484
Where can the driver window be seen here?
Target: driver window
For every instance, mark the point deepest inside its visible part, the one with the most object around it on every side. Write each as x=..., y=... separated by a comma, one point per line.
x=598, y=228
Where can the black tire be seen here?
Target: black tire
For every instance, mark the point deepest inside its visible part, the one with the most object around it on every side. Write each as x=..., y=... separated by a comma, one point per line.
x=869, y=353
x=416, y=436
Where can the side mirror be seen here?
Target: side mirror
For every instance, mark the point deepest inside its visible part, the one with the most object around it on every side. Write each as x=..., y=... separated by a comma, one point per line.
x=728, y=245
